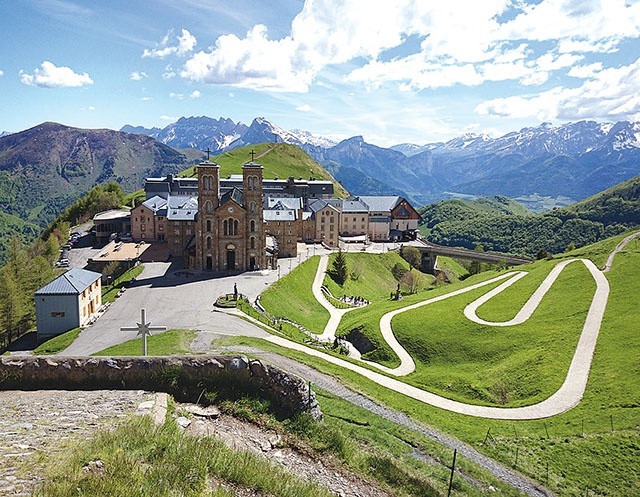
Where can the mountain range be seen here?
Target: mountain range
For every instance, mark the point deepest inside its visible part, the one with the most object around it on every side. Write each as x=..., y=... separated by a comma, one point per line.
x=542, y=167
x=47, y=167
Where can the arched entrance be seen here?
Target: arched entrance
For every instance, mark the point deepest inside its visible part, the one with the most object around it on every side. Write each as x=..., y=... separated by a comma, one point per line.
x=252, y=263
x=209, y=263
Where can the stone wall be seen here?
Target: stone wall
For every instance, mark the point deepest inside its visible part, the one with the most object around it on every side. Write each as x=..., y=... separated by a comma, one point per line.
x=187, y=378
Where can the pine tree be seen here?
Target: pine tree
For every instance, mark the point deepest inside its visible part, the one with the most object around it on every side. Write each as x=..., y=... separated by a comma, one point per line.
x=339, y=270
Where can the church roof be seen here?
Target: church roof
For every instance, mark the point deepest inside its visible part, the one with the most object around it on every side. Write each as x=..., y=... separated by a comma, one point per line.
x=234, y=194
x=73, y=282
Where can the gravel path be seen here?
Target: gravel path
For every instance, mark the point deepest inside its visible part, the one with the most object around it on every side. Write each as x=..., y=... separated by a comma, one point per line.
x=332, y=385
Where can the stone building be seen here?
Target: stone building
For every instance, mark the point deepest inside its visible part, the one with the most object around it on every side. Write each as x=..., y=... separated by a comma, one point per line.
x=230, y=232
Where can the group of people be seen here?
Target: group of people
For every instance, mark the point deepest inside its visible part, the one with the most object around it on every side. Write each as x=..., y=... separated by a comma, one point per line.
x=355, y=301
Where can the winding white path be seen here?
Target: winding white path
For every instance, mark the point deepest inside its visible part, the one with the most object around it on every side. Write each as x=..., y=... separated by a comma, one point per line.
x=569, y=394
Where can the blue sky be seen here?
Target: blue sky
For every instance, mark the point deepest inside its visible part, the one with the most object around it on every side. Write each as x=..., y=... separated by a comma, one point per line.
x=408, y=70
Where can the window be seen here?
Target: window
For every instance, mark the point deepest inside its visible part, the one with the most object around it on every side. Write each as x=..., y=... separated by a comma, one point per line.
x=225, y=225
x=208, y=242
x=160, y=237
x=235, y=227
x=208, y=206
x=57, y=314
x=252, y=243
x=208, y=224
x=253, y=207
x=142, y=227
x=161, y=227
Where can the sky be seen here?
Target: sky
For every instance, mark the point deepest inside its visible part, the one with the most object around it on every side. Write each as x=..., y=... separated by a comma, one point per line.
x=415, y=71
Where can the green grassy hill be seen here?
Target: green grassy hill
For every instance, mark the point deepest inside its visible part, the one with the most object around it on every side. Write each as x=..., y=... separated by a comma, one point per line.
x=592, y=448
x=280, y=160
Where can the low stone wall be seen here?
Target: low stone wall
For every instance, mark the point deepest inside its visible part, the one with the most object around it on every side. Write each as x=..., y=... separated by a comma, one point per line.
x=187, y=378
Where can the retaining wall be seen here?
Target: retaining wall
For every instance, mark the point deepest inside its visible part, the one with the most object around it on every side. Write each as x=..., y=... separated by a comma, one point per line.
x=187, y=378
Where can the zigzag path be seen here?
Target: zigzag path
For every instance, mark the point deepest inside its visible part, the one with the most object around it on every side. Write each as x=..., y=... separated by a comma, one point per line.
x=569, y=394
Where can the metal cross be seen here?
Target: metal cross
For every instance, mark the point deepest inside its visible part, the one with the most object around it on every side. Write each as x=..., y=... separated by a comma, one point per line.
x=253, y=154
x=143, y=328
x=208, y=152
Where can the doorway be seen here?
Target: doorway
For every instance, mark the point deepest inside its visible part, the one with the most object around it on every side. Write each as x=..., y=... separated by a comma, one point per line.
x=209, y=263
x=231, y=260
x=252, y=263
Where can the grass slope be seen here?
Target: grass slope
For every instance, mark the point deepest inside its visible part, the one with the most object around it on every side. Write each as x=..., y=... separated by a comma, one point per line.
x=593, y=448
x=280, y=160
x=369, y=275
x=291, y=297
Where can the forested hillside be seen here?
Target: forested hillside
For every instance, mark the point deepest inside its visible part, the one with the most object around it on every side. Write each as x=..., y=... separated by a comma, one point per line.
x=29, y=267
x=461, y=223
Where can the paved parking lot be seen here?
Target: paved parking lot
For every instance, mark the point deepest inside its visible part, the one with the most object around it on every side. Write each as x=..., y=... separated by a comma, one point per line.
x=178, y=298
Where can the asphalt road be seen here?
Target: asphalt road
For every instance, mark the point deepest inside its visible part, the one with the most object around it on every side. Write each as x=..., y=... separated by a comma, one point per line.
x=178, y=298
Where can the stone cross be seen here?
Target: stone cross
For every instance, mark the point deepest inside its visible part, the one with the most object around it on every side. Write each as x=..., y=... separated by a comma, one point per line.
x=144, y=329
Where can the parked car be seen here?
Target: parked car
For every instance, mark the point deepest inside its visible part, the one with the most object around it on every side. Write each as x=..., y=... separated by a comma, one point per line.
x=62, y=263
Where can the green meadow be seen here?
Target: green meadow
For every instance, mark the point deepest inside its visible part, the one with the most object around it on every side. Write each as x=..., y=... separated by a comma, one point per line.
x=591, y=449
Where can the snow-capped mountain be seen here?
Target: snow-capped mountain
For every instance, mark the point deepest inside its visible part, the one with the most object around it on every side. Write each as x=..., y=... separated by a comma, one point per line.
x=195, y=132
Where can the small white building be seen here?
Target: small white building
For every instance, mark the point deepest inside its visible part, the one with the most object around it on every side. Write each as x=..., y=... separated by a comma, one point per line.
x=69, y=301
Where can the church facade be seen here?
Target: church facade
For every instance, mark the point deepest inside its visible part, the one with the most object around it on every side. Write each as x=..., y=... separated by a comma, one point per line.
x=229, y=234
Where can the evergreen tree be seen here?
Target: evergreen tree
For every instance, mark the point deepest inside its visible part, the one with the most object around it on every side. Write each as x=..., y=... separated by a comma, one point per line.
x=339, y=270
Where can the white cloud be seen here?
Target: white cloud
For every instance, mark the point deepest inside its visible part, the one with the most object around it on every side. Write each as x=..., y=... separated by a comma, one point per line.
x=460, y=42
x=195, y=94
x=186, y=42
x=51, y=76
x=168, y=118
x=168, y=72
x=304, y=108
x=91, y=107
x=177, y=96
x=138, y=76
x=1, y=72
x=146, y=99
x=585, y=71
x=611, y=94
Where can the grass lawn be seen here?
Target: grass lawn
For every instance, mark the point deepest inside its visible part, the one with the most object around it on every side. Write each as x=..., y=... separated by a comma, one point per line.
x=171, y=342
x=369, y=275
x=109, y=292
x=57, y=343
x=512, y=366
x=594, y=446
x=291, y=297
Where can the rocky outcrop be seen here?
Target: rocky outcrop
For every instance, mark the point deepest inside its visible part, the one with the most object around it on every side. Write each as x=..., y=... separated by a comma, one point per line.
x=187, y=378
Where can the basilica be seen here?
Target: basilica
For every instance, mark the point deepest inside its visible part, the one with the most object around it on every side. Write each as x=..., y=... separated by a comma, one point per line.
x=243, y=222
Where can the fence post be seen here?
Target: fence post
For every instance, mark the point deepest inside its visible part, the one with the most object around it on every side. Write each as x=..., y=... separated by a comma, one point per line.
x=486, y=436
x=453, y=467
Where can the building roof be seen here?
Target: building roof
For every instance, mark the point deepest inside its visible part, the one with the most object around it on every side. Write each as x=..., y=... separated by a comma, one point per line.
x=285, y=202
x=182, y=208
x=378, y=203
x=73, y=282
x=279, y=215
x=110, y=215
x=354, y=205
x=155, y=203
